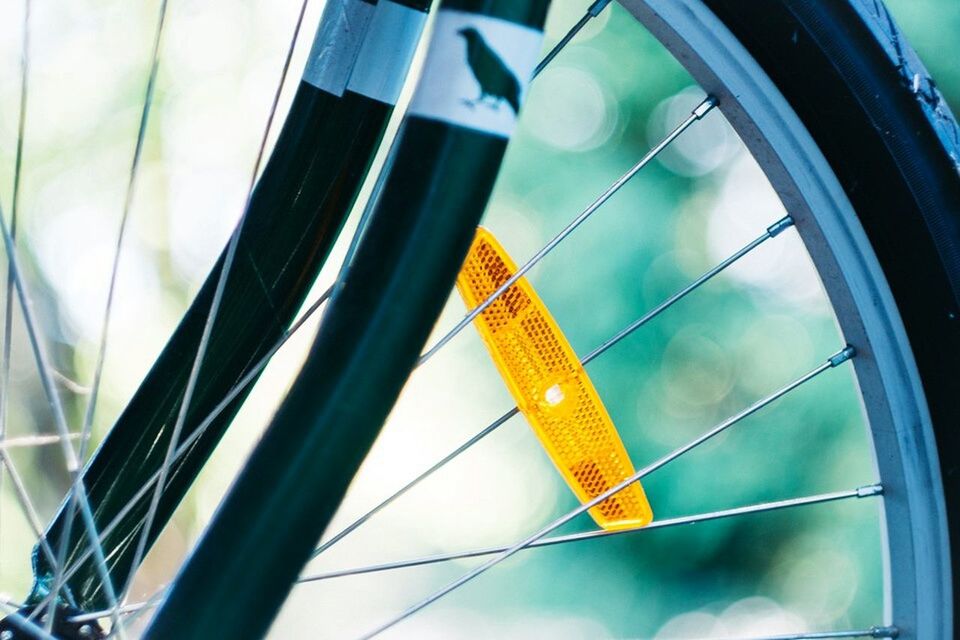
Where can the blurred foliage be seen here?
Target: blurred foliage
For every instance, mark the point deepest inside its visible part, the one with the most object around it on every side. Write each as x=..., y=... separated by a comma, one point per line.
x=589, y=117
x=932, y=27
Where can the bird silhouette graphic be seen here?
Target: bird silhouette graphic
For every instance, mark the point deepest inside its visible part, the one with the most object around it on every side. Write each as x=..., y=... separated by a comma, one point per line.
x=495, y=78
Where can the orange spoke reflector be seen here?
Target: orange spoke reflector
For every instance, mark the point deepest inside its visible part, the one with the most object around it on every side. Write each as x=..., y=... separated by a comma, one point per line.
x=550, y=386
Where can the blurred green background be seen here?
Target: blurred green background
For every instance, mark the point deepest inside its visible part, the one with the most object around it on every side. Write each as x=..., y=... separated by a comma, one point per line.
x=589, y=117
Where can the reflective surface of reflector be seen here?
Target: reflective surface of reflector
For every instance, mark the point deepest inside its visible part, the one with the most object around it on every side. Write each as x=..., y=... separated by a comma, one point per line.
x=550, y=386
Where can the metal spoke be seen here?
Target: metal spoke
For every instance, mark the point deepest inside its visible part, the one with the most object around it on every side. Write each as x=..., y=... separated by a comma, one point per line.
x=702, y=110
x=834, y=361
x=595, y=9
x=87, y=425
x=214, y=309
x=24, y=624
x=823, y=498
x=23, y=442
x=124, y=219
x=132, y=611
x=124, y=610
x=79, y=492
x=493, y=426
x=772, y=231
x=176, y=449
x=14, y=209
x=71, y=385
x=762, y=507
x=235, y=391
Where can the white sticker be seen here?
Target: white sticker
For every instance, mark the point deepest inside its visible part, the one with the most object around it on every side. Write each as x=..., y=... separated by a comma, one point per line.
x=476, y=72
x=364, y=48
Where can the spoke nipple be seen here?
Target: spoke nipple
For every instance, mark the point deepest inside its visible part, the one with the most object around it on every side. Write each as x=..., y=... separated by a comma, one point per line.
x=704, y=107
x=884, y=632
x=870, y=490
x=843, y=356
x=597, y=7
x=779, y=226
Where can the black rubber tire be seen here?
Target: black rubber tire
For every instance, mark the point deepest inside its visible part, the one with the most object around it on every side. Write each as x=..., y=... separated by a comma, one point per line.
x=857, y=85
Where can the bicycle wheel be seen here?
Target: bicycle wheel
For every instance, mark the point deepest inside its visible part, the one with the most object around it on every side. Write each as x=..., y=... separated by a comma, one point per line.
x=867, y=172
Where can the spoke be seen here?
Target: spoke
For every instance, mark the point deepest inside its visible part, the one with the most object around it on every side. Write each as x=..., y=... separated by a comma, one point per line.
x=235, y=391
x=872, y=632
x=702, y=110
x=14, y=209
x=71, y=385
x=132, y=611
x=834, y=361
x=823, y=498
x=111, y=289
x=212, y=315
x=26, y=504
x=772, y=231
x=24, y=624
x=79, y=492
x=762, y=507
x=124, y=610
x=595, y=9
x=493, y=426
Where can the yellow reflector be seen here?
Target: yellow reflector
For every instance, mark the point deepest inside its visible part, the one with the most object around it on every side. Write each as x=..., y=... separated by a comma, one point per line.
x=550, y=386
